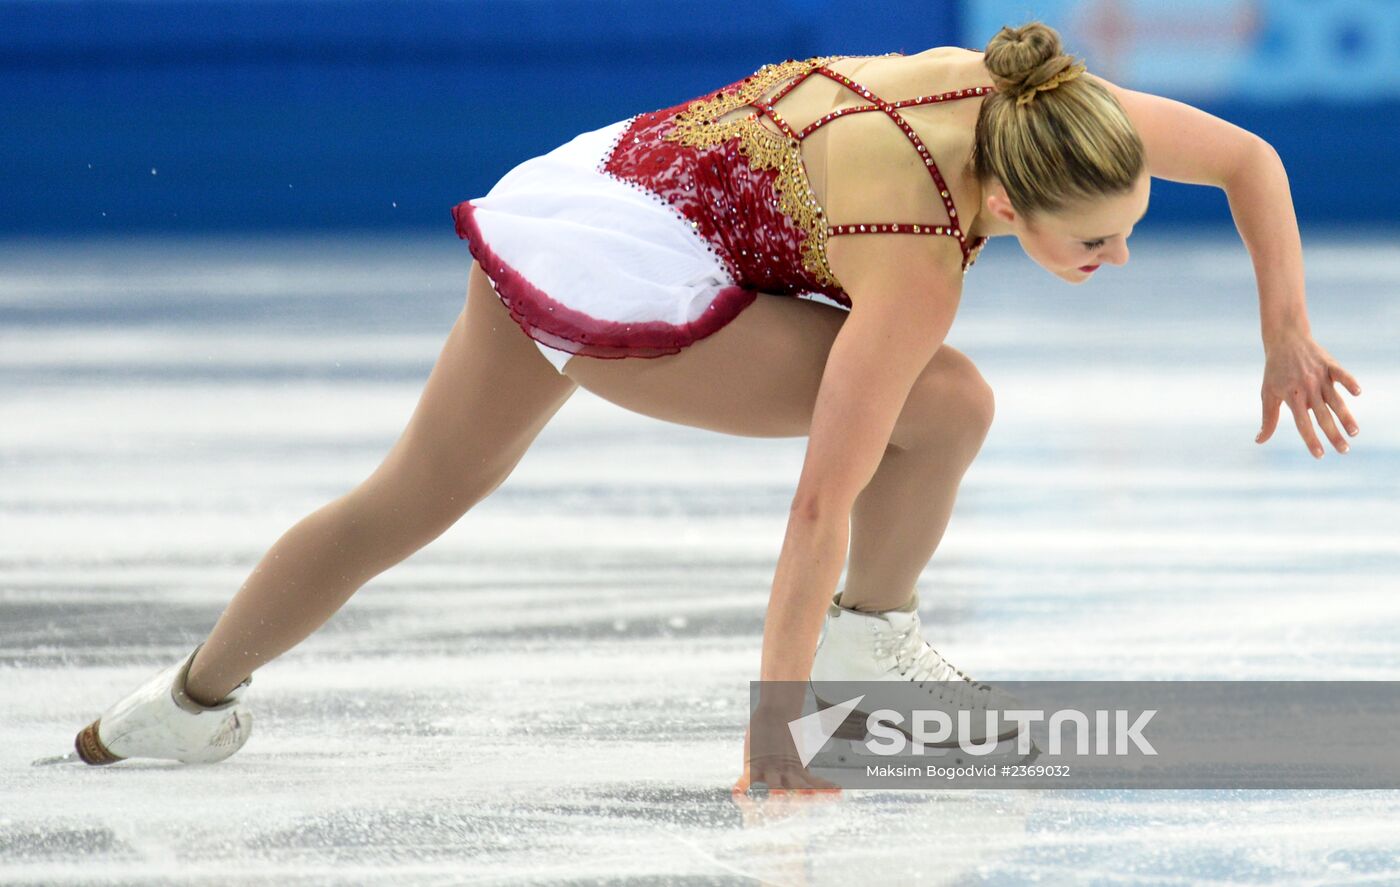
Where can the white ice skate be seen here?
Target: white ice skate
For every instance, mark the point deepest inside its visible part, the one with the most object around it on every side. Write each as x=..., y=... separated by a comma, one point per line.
x=159, y=720
x=889, y=648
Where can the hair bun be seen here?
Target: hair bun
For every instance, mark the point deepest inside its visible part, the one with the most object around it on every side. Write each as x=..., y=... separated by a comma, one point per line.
x=1020, y=59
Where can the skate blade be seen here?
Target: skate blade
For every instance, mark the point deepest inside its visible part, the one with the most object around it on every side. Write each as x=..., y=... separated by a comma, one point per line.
x=69, y=758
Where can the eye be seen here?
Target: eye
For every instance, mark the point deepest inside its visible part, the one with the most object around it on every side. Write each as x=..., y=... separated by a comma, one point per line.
x=1092, y=244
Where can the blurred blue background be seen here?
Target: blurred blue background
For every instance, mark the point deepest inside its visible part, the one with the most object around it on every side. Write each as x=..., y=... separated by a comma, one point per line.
x=171, y=116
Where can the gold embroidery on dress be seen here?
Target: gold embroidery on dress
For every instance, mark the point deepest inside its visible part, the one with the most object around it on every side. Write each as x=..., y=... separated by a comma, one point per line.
x=698, y=126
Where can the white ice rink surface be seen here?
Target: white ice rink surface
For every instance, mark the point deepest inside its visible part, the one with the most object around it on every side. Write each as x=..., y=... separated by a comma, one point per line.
x=554, y=691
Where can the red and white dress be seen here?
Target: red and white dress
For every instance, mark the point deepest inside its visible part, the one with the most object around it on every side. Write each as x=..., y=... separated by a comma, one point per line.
x=636, y=239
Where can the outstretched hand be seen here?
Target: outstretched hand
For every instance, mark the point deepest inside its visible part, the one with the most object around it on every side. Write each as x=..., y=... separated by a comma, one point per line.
x=1300, y=373
x=772, y=761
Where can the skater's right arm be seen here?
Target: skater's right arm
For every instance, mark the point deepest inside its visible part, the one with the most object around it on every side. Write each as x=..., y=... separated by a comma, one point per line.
x=904, y=292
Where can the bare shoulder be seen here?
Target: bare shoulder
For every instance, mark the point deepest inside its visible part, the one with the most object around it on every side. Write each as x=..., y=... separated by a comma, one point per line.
x=933, y=70
x=875, y=172
x=946, y=54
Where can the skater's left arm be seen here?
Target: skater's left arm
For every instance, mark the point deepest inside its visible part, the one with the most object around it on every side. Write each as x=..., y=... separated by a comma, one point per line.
x=1186, y=144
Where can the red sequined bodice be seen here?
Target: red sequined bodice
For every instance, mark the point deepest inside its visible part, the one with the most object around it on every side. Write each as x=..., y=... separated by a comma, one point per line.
x=744, y=188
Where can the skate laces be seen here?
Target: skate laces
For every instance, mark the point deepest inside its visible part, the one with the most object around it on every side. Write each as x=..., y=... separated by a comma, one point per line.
x=918, y=661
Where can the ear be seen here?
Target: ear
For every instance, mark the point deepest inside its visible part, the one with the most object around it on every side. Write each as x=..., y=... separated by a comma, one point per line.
x=1000, y=204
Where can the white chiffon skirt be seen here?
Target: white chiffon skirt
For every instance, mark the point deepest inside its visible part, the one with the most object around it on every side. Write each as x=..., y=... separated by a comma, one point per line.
x=589, y=264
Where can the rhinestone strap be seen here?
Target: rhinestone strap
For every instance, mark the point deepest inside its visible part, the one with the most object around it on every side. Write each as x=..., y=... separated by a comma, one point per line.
x=698, y=126
x=890, y=228
x=919, y=146
x=950, y=96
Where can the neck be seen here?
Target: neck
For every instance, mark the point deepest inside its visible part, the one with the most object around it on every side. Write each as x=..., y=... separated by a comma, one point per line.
x=985, y=223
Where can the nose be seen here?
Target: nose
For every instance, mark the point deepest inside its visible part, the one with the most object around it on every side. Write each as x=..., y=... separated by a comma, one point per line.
x=1117, y=255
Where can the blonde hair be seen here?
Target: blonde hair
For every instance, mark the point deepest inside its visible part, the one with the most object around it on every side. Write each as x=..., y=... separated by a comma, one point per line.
x=1051, y=137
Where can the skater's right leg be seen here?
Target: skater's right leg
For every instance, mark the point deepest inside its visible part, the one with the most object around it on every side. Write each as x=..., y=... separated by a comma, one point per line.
x=760, y=375
x=489, y=394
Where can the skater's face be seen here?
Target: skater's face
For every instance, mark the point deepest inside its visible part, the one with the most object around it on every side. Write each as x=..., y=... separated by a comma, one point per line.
x=1073, y=243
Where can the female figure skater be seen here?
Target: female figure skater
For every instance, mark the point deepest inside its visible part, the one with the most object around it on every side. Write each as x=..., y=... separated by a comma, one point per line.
x=648, y=261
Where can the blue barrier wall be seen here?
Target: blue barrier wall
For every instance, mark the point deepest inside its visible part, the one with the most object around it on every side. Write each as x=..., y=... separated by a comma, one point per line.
x=212, y=115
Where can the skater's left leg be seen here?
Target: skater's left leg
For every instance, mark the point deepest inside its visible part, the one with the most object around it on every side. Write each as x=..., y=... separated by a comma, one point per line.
x=899, y=518
x=489, y=394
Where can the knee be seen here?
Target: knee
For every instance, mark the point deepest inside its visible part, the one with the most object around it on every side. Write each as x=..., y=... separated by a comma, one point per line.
x=950, y=402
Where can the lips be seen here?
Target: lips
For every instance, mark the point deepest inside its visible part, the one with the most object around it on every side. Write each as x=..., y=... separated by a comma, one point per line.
x=1088, y=269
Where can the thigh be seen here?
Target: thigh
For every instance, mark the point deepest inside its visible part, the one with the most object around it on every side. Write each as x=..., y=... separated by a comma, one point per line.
x=757, y=376
x=488, y=396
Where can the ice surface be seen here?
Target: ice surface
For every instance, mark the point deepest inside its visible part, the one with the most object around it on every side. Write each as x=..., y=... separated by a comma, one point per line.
x=554, y=691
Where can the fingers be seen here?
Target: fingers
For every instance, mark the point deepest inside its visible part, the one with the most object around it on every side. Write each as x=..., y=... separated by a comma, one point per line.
x=1329, y=428
x=1299, y=406
x=1323, y=400
x=1334, y=400
x=805, y=782
x=783, y=780
x=823, y=785
x=1266, y=429
x=741, y=785
x=1322, y=404
x=1340, y=375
